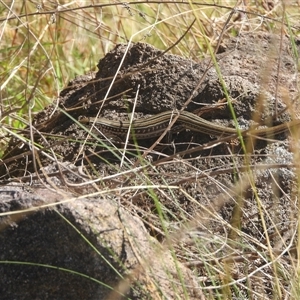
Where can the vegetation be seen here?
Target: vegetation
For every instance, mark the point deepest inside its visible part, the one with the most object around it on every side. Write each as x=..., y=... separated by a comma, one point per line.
x=45, y=46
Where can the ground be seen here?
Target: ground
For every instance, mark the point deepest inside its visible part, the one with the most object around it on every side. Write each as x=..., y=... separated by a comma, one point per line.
x=215, y=191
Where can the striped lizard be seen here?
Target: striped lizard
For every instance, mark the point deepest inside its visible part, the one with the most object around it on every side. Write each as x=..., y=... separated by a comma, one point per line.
x=155, y=125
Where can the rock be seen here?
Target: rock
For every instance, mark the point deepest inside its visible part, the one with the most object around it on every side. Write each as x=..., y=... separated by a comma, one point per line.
x=83, y=248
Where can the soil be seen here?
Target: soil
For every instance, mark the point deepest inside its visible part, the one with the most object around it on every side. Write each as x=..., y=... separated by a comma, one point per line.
x=213, y=196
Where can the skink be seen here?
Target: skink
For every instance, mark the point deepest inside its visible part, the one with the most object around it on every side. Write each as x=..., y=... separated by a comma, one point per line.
x=155, y=125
